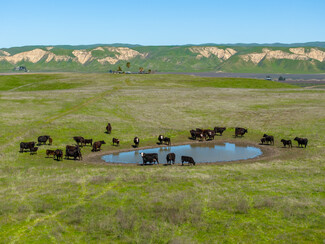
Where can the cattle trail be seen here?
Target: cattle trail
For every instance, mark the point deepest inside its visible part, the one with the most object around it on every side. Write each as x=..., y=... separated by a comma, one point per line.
x=82, y=201
x=79, y=106
x=16, y=88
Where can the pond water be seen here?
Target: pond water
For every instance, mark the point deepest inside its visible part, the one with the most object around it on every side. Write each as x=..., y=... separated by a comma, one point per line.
x=200, y=152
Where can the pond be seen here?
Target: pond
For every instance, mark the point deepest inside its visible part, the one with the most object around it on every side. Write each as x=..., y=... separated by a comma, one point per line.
x=200, y=152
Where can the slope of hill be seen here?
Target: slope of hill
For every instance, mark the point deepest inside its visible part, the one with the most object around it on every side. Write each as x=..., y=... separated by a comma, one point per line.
x=208, y=58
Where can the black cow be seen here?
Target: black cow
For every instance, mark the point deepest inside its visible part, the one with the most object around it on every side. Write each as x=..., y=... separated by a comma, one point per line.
x=33, y=150
x=286, y=142
x=73, y=151
x=109, y=128
x=240, y=131
x=193, y=134
x=88, y=141
x=211, y=134
x=197, y=134
x=167, y=140
x=149, y=157
x=117, y=141
x=170, y=158
x=79, y=139
x=269, y=139
x=188, y=159
x=58, y=153
x=50, y=152
x=97, y=145
x=136, y=141
x=160, y=139
x=219, y=130
x=26, y=145
x=301, y=141
x=43, y=139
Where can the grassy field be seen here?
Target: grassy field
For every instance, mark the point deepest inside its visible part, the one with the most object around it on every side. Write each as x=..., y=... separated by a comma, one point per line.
x=279, y=199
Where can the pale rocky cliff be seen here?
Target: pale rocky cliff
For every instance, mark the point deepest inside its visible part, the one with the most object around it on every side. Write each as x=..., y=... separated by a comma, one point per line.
x=295, y=54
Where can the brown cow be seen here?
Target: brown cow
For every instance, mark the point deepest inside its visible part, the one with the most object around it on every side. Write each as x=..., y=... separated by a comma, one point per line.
x=58, y=153
x=240, y=131
x=89, y=141
x=33, y=150
x=109, y=128
x=50, y=152
x=117, y=141
x=97, y=145
x=79, y=139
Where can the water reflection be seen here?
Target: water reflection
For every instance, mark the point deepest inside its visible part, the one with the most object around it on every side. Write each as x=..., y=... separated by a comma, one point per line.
x=201, y=153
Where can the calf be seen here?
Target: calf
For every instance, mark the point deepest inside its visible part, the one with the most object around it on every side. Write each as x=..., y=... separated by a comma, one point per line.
x=79, y=139
x=149, y=157
x=301, y=141
x=43, y=139
x=50, y=152
x=269, y=139
x=188, y=159
x=170, y=158
x=58, y=153
x=50, y=141
x=263, y=140
x=117, y=141
x=89, y=141
x=33, y=150
x=97, y=145
x=136, y=141
x=286, y=142
x=240, y=131
x=26, y=145
x=219, y=130
x=109, y=128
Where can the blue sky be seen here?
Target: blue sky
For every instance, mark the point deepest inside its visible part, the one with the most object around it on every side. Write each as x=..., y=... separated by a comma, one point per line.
x=57, y=22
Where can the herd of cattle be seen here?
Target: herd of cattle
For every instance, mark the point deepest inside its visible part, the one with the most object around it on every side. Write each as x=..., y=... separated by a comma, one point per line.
x=74, y=151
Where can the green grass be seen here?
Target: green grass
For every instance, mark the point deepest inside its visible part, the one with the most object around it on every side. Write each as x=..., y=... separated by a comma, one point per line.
x=280, y=199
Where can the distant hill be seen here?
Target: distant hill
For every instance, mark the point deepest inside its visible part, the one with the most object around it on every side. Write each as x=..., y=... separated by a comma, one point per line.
x=237, y=58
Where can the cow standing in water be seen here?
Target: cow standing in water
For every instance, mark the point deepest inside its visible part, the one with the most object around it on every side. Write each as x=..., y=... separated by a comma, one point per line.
x=136, y=141
x=109, y=128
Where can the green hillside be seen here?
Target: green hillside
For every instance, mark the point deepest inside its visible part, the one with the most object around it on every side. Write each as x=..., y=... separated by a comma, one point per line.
x=208, y=58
